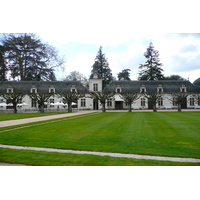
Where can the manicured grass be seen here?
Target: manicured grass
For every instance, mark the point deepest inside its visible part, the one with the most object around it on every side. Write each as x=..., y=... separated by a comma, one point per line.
x=12, y=116
x=59, y=159
x=161, y=133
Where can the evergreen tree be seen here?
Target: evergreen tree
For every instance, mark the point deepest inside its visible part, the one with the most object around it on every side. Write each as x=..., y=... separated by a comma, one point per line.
x=151, y=70
x=3, y=67
x=29, y=58
x=174, y=77
x=124, y=75
x=102, y=66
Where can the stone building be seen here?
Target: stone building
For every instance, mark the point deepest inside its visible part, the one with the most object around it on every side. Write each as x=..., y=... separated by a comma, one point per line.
x=55, y=102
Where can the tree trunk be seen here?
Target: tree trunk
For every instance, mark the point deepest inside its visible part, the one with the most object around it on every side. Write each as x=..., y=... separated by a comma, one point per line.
x=42, y=108
x=154, y=108
x=69, y=106
x=179, y=107
x=129, y=108
x=103, y=107
x=15, y=107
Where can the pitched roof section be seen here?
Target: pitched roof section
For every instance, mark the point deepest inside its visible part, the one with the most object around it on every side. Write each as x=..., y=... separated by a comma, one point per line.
x=42, y=86
x=197, y=82
x=95, y=74
x=151, y=86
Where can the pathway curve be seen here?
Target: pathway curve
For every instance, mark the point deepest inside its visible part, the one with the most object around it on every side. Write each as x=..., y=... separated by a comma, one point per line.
x=121, y=155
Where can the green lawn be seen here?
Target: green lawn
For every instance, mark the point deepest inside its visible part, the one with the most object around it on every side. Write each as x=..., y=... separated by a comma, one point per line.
x=12, y=116
x=161, y=133
x=59, y=159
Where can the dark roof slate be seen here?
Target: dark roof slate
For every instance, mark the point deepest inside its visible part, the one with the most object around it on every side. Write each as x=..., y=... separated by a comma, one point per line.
x=197, y=82
x=151, y=86
x=42, y=86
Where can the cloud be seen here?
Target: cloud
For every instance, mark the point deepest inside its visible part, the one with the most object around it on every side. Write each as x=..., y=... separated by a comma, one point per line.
x=189, y=48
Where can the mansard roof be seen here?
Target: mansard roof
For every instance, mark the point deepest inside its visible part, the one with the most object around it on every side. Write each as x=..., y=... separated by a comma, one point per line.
x=42, y=86
x=95, y=74
x=169, y=86
x=197, y=82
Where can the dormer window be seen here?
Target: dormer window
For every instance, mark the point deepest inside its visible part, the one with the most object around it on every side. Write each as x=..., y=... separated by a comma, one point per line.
x=33, y=90
x=9, y=90
x=118, y=89
x=159, y=89
x=183, y=88
x=51, y=89
x=73, y=88
x=142, y=89
x=95, y=76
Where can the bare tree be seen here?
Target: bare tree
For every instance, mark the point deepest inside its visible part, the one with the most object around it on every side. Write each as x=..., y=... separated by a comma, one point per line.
x=129, y=98
x=102, y=97
x=69, y=97
x=40, y=98
x=153, y=97
x=178, y=98
x=14, y=99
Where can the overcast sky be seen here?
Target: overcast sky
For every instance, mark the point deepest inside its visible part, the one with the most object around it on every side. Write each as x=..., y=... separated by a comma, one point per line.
x=124, y=29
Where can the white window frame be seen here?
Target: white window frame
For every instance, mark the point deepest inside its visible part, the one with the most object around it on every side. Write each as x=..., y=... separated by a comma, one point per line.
x=109, y=102
x=95, y=87
x=83, y=102
x=33, y=103
x=118, y=90
x=143, y=89
x=159, y=89
x=160, y=102
x=143, y=102
x=183, y=89
x=191, y=101
x=73, y=88
x=34, y=89
x=51, y=89
x=10, y=90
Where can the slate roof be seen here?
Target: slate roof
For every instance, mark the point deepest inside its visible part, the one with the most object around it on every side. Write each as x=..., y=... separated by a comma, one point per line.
x=95, y=72
x=151, y=86
x=197, y=82
x=42, y=86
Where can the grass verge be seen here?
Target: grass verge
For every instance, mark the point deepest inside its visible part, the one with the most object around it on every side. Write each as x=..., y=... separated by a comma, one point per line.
x=36, y=158
x=13, y=116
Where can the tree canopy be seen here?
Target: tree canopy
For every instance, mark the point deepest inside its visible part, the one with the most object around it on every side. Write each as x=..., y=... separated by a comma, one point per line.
x=102, y=66
x=75, y=76
x=151, y=69
x=124, y=75
x=174, y=77
x=28, y=58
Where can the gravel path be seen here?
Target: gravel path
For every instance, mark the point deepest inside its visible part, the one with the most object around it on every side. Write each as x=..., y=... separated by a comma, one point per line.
x=122, y=155
x=11, y=164
x=38, y=119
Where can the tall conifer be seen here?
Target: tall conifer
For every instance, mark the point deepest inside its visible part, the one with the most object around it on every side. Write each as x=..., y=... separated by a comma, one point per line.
x=102, y=66
x=151, y=69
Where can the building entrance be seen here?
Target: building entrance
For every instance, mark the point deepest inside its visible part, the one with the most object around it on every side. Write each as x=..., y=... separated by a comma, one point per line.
x=184, y=104
x=95, y=104
x=118, y=105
